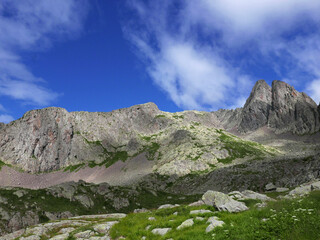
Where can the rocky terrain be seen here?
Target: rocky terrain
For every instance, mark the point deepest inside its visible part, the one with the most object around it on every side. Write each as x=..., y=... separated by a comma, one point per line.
x=56, y=164
x=212, y=216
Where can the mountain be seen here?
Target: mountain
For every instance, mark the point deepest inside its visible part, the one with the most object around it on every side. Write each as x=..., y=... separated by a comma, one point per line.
x=180, y=143
x=280, y=108
x=57, y=164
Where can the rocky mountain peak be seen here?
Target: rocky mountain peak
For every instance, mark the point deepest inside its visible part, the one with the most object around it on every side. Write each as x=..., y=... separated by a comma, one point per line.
x=256, y=110
x=261, y=91
x=281, y=108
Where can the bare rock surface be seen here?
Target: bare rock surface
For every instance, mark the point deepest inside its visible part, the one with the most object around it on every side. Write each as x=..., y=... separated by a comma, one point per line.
x=92, y=227
x=281, y=108
x=223, y=202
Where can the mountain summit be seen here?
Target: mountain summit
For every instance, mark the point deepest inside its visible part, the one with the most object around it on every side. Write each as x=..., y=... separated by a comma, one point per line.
x=281, y=108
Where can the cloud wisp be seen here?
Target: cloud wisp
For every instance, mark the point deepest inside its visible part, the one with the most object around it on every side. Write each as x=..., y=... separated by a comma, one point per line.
x=203, y=53
x=33, y=25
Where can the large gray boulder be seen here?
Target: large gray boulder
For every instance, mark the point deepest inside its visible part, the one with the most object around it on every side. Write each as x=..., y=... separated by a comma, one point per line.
x=223, y=202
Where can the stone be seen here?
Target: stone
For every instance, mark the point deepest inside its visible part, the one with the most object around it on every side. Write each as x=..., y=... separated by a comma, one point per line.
x=168, y=206
x=104, y=227
x=186, y=223
x=248, y=194
x=84, y=234
x=214, y=222
x=270, y=187
x=200, y=218
x=151, y=218
x=84, y=200
x=196, y=204
x=223, y=202
x=32, y=237
x=282, y=189
x=141, y=210
x=60, y=237
x=200, y=211
x=160, y=231
x=20, y=193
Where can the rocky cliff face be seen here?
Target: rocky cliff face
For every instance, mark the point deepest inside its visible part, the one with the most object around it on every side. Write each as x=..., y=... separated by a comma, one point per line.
x=52, y=138
x=280, y=108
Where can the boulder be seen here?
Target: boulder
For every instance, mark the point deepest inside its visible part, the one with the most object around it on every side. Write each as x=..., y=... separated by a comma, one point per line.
x=160, y=231
x=248, y=194
x=201, y=211
x=223, y=202
x=270, y=187
x=168, y=206
x=186, y=223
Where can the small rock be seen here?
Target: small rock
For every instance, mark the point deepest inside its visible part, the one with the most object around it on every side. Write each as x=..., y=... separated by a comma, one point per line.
x=168, y=206
x=151, y=218
x=270, y=187
x=186, y=223
x=104, y=227
x=201, y=211
x=160, y=231
x=200, y=218
x=261, y=205
x=20, y=193
x=175, y=213
x=282, y=189
x=195, y=204
x=214, y=222
x=141, y=210
x=148, y=227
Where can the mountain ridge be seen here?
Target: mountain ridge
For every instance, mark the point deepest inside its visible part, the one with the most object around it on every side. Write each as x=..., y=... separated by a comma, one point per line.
x=52, y=138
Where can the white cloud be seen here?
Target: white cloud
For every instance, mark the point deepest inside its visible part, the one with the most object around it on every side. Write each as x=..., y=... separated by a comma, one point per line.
x=314, y=90
x=33, y=25
x=6, y=118
x=199, y=54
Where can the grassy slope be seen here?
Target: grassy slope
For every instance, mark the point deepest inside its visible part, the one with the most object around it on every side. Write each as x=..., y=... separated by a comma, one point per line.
x=285, y=219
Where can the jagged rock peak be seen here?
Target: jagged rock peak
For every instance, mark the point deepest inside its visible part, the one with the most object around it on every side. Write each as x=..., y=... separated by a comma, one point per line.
x=256, y=109
x=260, y=92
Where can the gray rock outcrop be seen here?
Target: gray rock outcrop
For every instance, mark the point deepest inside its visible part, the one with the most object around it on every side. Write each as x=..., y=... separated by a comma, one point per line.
x=223, y=202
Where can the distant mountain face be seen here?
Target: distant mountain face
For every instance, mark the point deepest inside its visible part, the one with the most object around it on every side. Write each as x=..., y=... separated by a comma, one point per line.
x=178, y=143
x=280, y=107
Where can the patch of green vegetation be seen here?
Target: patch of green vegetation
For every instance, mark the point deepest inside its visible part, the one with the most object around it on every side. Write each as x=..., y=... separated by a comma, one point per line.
x=238, y=148
x=111, y=158
x=151, y=150
x=74, y=168
x=160, y=116
x=297, y=219
x=4, y=164
x=175, y=116
x=196, y=123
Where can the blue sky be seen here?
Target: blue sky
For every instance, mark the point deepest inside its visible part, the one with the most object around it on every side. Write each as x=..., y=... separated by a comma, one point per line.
x=102, y=55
